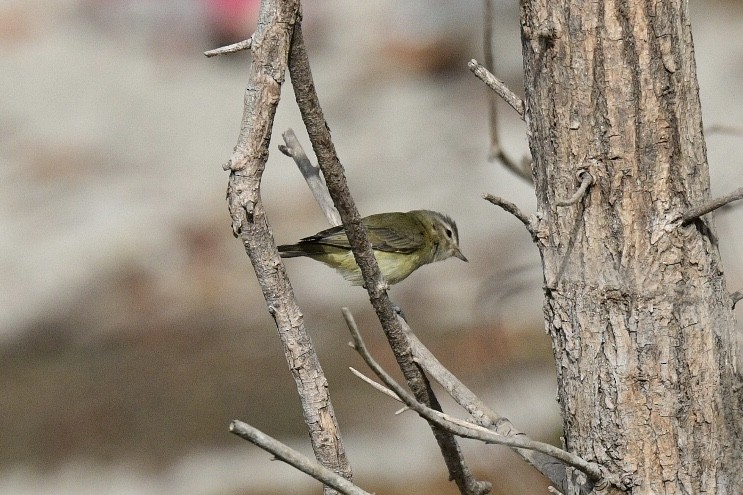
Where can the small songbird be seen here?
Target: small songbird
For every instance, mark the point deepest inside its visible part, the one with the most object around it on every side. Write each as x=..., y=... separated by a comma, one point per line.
x=402, y=243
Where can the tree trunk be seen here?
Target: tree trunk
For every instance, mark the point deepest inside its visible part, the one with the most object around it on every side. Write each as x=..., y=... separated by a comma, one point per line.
x=635, y=303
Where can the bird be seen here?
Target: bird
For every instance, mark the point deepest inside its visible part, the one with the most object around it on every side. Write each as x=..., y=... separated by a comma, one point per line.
x=401, y=242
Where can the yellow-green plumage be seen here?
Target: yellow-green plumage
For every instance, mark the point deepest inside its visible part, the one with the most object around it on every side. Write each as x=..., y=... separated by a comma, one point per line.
x=402, y=243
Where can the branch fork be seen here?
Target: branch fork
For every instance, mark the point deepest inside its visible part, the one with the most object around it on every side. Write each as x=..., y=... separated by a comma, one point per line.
x=596, y=473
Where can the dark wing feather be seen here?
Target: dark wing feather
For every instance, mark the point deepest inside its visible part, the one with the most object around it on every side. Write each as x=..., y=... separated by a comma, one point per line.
x=407, y=235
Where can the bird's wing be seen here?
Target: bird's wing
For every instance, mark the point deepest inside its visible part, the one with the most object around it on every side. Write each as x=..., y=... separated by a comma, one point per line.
x=394, y=241
x=406, y=237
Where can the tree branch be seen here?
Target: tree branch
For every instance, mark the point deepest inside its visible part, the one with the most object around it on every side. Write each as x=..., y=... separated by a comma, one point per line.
x=312, y=176
x=513, y=210
x=487, y=43
x=698, y=211
x=732, y=130
x=317, y=128
x=523, y=169
x=594, y=471
x=248, y=161
x=235, y=47
x=482, y=414
x=293, y=458
x=498, y=86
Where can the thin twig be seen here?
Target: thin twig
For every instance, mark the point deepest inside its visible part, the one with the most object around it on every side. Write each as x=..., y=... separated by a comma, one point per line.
x=591, y=469
x=498, y=86
x=389, y=393
x=375, y=385
x=696, y=212
x=523, y=169
x=585, y=181
x=293, y=458
x=487, y=42
x=724, y=129
x=480, y=412
x=235, y=47
x=312, y=176
x=512, y=209
x=332, y=170
x=736, y=296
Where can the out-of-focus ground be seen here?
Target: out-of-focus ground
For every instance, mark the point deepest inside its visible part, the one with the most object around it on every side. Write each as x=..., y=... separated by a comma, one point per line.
x=132, y=329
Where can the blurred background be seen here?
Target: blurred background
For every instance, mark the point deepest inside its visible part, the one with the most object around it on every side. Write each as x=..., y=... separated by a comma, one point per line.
x=132, y=329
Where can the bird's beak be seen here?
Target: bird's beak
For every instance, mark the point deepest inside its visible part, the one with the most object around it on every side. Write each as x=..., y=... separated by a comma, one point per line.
x=459, y=255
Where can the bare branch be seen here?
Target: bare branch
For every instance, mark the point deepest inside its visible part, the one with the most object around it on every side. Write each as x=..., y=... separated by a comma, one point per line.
x=698, y=211
x=375, y=385
x=392, y=395
x=235, y=47
x=487, y=42
x=736, y=296
x=594, y=471
x=724, y=129
x=482, y=414
x=523, y=169
x=270, y=56
x=322, y=144
x=311, y=174
x=585, y=181
x=293, y=458
x=498, y=86
x=512, y=209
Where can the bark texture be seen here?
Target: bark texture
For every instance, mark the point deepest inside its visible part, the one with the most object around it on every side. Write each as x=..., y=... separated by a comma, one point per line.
x=635, y=302
x=327, y=158
x=270, y=45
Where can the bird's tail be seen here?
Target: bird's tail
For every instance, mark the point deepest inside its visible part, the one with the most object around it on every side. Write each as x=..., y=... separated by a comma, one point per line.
x=309, y=249
x=291, y=251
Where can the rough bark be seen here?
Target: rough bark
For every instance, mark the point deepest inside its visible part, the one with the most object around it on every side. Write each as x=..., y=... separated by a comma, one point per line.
x=270, y=46
x=635, y=301
x=329, y=163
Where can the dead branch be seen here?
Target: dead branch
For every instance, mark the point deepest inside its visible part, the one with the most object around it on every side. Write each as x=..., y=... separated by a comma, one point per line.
x=482, y=414
x=513, y=210
x=487, y=43
x=248, y=161
x=732, y=130
x=290, y=456
x=373, y=384
x=594, y=471
x=235, y=47
x=698, y=211
x=498, y=86
x=322, y=144
x=312, y=176
x=523, y=169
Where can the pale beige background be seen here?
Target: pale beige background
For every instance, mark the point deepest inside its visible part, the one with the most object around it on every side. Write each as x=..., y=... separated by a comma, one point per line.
x=131, y=326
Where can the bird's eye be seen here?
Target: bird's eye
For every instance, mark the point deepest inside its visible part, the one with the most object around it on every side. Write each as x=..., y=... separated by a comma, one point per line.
x=448, y=233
